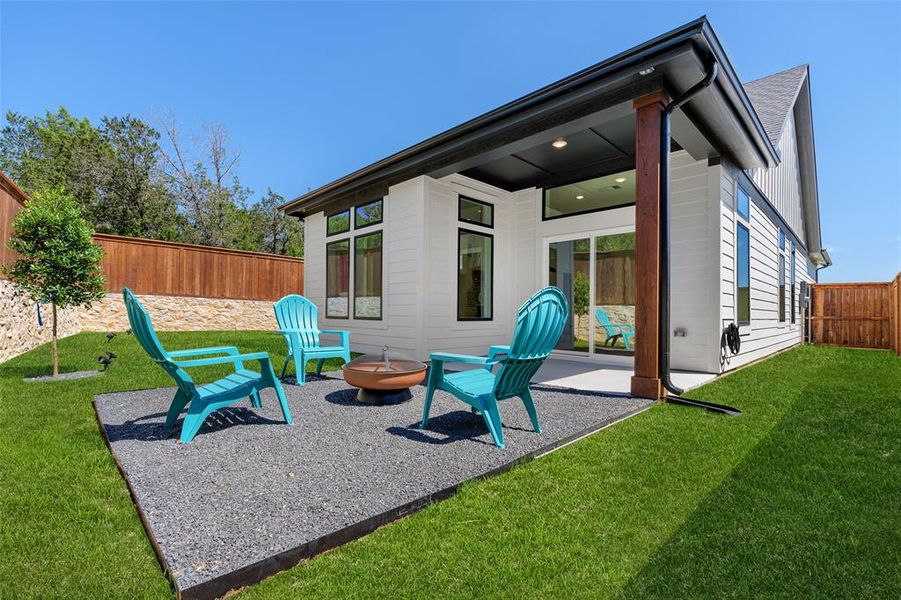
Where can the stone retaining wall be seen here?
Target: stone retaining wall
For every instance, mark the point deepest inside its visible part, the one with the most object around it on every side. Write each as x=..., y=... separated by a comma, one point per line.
x=19, y=331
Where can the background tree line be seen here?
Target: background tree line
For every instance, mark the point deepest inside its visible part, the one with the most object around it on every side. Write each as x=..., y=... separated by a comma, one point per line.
x=134, y=179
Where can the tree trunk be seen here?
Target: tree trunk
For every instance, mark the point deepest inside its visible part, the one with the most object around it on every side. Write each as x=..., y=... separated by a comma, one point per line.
x=53, y=345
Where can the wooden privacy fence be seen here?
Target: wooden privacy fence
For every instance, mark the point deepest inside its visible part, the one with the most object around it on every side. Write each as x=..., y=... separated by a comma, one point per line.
x=858, y=315
x=172, y=269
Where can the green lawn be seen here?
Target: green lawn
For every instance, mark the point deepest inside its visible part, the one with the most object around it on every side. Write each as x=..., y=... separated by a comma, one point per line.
x=797, y=497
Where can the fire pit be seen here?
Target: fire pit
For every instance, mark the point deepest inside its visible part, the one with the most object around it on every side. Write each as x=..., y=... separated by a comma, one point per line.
x=383, y=378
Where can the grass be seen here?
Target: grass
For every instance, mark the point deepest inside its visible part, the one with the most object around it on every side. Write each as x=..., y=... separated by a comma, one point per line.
x=797, y=497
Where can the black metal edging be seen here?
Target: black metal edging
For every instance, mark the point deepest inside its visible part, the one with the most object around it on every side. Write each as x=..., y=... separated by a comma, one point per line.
x=260, y=570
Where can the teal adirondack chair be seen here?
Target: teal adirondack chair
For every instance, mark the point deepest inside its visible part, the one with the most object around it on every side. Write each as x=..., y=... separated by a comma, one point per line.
x=202, y=400
x=298, y=321
x=539, y=323
x=614, y=330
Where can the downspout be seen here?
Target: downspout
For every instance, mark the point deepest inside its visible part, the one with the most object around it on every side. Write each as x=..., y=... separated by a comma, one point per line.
x=664, y=291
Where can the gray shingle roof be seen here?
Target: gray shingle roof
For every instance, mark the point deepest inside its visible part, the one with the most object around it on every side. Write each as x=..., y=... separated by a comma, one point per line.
x=773, y=97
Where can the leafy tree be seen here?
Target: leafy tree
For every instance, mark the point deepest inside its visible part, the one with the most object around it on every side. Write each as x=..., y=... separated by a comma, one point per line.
x=581, y=291
x=58, y=263
x=281, y=234
x=56, y=150
x=135, y=199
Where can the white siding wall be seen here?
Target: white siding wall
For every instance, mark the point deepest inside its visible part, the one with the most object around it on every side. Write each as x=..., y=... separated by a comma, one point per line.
x=694, y=222
x=782, y=185
x=765, y=334
x=402, y=295
x=443, y=332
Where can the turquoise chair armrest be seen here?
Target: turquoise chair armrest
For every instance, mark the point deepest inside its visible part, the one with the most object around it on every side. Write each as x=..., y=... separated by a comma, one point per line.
x=462, y=358
x=262, y=357
x=231, y=350
x=495, y=350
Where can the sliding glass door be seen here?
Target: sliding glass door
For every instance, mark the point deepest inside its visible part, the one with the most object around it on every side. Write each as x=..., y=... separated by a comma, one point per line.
x=597, y=274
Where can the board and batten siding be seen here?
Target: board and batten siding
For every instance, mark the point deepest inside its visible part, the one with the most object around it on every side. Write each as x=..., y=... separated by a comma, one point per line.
x=782, y=184
x=765, y=334
x=402, y=291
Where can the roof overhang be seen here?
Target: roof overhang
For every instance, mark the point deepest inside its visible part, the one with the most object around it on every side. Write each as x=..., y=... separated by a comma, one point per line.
x=807, y=163
x=672, y=62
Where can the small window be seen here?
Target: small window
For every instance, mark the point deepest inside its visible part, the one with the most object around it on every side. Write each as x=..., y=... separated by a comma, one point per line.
x=338, y=223
x=476, y=212
x=743, y=275
x=781, y=240
x=781, y=277
x=475, y=276
x=368, y=276
x=794, y=308
x=591, y=195
x=744, y=203
x=368, y=214
x=337, y=279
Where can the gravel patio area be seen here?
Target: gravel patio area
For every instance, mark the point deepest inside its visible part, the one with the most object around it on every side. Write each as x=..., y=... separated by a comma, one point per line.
x=251, y=496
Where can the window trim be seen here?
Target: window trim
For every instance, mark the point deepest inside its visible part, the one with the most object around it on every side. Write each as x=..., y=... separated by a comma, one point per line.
x=349, y=212
x=490, y=236
x=589, y=210
x=461, y=198
x=741, y=190
x=328, y=278
x=354, y=211
x=379, y=232
x=739, y=224
x=780, y=286
x=793, y=270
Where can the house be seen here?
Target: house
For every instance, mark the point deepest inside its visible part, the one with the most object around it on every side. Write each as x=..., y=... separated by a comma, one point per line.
x=435, y=247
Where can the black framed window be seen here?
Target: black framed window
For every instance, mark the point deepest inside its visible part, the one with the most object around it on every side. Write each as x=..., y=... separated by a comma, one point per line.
x=743, y=274
x=338, y=223
x=337, y=279
x=368, y=214
x=781, y=277
x=368, y=276
x=475, y=211
x=588, y=196
x=743, y=204
x=793, y=295
x=475, y=276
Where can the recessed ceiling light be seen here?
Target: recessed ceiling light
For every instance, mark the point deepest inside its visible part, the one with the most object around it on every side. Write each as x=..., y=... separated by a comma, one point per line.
x=647, y=71
x=620, y=179
x=579, y=197
x=559, y=143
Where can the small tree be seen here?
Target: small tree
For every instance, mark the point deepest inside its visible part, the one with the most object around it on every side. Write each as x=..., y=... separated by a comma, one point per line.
x=59, y=263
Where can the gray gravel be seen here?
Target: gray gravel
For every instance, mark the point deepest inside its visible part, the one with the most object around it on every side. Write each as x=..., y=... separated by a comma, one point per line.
x=250, y=487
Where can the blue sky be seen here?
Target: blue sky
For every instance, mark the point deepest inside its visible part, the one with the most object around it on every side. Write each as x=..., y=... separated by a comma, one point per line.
x=310, y=92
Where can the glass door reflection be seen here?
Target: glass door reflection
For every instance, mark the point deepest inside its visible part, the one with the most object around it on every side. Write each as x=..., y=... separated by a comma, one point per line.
x=613, y=309
x=569, y=269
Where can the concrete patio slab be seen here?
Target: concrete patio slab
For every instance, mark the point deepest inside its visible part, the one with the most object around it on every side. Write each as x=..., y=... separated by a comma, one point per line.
x=251, y=496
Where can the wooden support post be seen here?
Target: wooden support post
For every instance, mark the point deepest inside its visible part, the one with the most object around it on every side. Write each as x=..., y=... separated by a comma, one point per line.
x=648, y=115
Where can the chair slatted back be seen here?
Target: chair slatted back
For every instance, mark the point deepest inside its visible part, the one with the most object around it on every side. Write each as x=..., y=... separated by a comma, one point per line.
x=296, y=312
x=539, y=323
x=142, y=328
x=601, y=315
